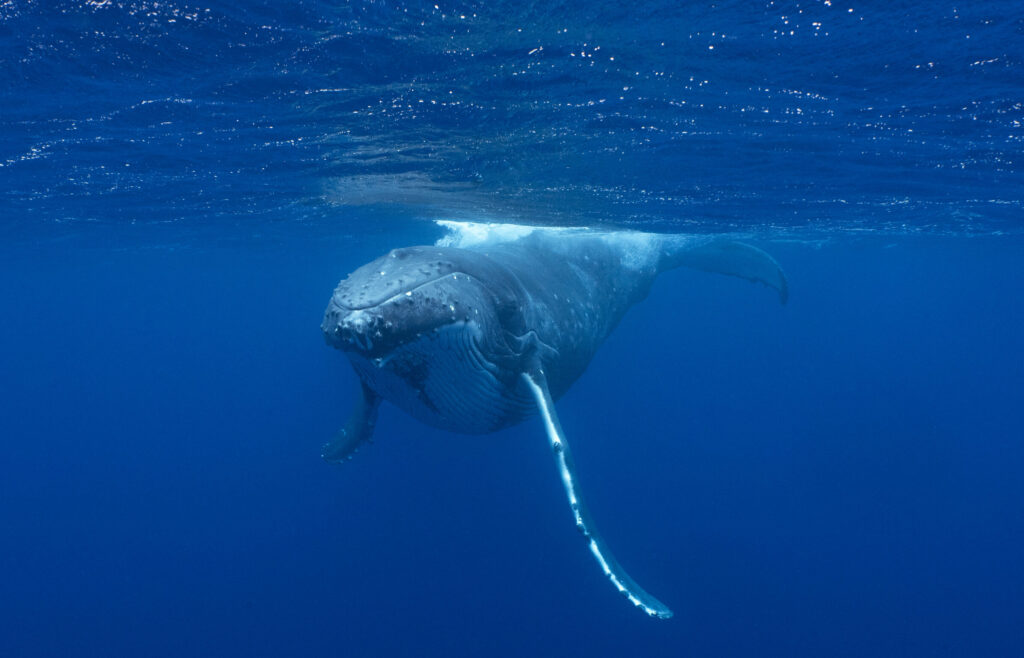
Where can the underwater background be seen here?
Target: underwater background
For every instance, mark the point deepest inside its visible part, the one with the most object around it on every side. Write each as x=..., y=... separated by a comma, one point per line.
x=182, y=186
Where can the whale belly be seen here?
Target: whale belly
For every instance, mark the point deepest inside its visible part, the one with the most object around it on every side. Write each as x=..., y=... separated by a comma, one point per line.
x=443, y=380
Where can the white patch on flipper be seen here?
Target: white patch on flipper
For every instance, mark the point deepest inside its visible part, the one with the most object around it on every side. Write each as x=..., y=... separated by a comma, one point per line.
x=611, y=568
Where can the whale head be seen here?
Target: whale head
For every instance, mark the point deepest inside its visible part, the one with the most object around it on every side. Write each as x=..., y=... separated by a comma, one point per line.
x=426, y=328
x=411, y=293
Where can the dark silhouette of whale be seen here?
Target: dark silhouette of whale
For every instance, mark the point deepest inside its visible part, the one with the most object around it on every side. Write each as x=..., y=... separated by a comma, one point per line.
x=473, y=339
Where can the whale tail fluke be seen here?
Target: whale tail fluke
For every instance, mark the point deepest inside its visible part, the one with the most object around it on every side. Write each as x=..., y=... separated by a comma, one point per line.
x=728, y=257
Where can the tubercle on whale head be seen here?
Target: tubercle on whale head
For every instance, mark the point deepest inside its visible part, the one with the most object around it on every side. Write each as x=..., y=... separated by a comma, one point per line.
x=398, y=271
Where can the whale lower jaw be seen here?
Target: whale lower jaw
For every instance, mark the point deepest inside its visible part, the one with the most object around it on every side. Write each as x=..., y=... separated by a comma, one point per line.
x=442, y=379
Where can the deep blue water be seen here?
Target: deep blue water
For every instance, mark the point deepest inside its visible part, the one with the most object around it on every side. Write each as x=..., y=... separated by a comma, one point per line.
x=182, y=185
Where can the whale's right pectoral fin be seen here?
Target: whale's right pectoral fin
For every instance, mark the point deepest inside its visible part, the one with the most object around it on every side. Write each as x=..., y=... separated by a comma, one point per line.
x=358, y=429
x=538, y=386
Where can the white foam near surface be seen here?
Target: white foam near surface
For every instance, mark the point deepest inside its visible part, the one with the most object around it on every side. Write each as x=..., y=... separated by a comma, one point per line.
x=639, y=250
x=472, y=234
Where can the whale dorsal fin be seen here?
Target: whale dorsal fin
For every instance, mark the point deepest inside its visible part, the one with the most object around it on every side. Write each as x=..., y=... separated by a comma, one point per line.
x=728, y=257
x=358, y=428
x=538, y=386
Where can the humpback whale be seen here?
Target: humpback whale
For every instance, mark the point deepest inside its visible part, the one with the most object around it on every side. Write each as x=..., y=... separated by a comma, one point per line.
x=475, y=334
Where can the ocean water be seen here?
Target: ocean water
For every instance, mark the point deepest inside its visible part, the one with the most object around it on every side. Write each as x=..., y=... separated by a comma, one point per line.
x=182, y=186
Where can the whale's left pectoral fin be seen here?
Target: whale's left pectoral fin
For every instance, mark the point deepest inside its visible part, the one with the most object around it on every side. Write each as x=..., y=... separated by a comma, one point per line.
x=357, y=430
x=538, y=385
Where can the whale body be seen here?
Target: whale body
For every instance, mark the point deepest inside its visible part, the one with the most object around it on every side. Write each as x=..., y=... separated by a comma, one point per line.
x=477, y=337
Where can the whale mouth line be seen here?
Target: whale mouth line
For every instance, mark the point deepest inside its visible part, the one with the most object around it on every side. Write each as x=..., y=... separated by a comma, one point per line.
x=399, y=295
x=472, y=344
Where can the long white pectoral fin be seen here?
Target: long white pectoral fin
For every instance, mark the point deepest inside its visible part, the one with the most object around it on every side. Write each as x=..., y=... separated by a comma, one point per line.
x=563, y=457
x=734, y=259
x=358, y=429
